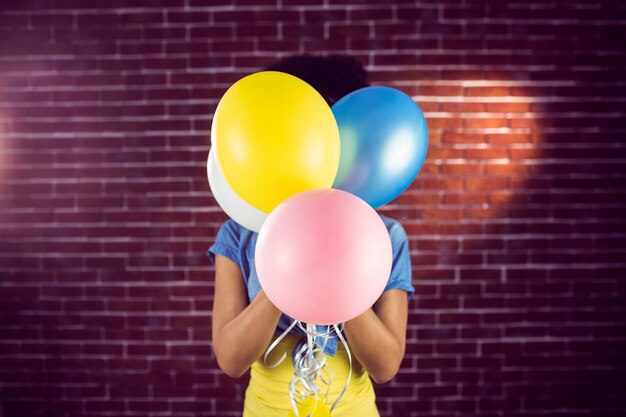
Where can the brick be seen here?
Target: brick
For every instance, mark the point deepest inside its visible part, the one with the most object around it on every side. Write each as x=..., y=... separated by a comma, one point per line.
x=486, y=183
x=486, y=91
x=487, y=123
x=465, y=198
x=463, y=169
x=437, y=391
x=481, y=274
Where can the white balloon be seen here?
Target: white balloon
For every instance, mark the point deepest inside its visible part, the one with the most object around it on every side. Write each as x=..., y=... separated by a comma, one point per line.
x=237, y=208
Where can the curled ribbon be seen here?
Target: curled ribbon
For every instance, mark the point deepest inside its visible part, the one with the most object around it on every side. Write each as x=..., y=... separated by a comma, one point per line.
x=309, y=364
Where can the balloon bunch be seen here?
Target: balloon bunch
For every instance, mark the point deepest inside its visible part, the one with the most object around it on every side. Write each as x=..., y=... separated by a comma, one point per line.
x=308, y=179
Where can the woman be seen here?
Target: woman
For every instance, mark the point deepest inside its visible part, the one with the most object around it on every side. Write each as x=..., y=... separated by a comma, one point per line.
x=245, y=322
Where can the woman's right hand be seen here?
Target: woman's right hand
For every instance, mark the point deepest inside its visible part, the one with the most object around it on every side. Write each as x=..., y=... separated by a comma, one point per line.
x=241, y=332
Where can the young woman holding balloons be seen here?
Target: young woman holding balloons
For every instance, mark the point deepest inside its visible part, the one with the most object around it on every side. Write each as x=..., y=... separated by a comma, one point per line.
x=301, y=181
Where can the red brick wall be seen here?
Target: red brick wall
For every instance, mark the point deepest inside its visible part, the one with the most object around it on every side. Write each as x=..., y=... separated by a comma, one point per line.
x=516, y=222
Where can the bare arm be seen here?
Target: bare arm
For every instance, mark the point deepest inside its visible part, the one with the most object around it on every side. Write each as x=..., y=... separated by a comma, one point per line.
x=377, y=337
x=241, y=332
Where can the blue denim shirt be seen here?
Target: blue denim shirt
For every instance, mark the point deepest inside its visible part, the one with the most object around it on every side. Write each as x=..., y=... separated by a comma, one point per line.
x=238, y=243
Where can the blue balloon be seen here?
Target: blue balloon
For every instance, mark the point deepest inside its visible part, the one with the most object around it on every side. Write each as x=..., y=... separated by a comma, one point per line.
x=384, y=139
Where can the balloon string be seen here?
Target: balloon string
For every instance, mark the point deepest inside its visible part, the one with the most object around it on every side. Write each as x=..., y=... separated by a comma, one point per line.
x=345, y=345
x=310, y=363
x=275, y=343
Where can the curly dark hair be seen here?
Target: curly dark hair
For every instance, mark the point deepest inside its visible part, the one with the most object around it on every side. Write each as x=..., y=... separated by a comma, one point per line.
x=333, y=76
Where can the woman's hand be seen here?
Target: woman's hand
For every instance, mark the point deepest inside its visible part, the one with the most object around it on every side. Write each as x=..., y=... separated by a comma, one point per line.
x=377, y=337
x=241, y=332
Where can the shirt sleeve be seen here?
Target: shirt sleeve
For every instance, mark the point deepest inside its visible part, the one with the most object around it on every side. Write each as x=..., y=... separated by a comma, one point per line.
x=401, y=274
x=226, y=243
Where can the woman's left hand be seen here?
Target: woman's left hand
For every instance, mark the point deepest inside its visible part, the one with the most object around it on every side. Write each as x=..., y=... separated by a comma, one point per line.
x=377, y=338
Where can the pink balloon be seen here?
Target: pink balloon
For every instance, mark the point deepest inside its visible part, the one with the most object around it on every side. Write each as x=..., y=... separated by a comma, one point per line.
x=323, y=256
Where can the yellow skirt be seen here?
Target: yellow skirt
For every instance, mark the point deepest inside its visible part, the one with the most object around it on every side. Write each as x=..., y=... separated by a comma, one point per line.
x=267, y=394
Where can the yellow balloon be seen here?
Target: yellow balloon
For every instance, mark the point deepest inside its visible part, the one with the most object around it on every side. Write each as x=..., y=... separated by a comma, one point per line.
x=306, y=407
x=274, y=136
